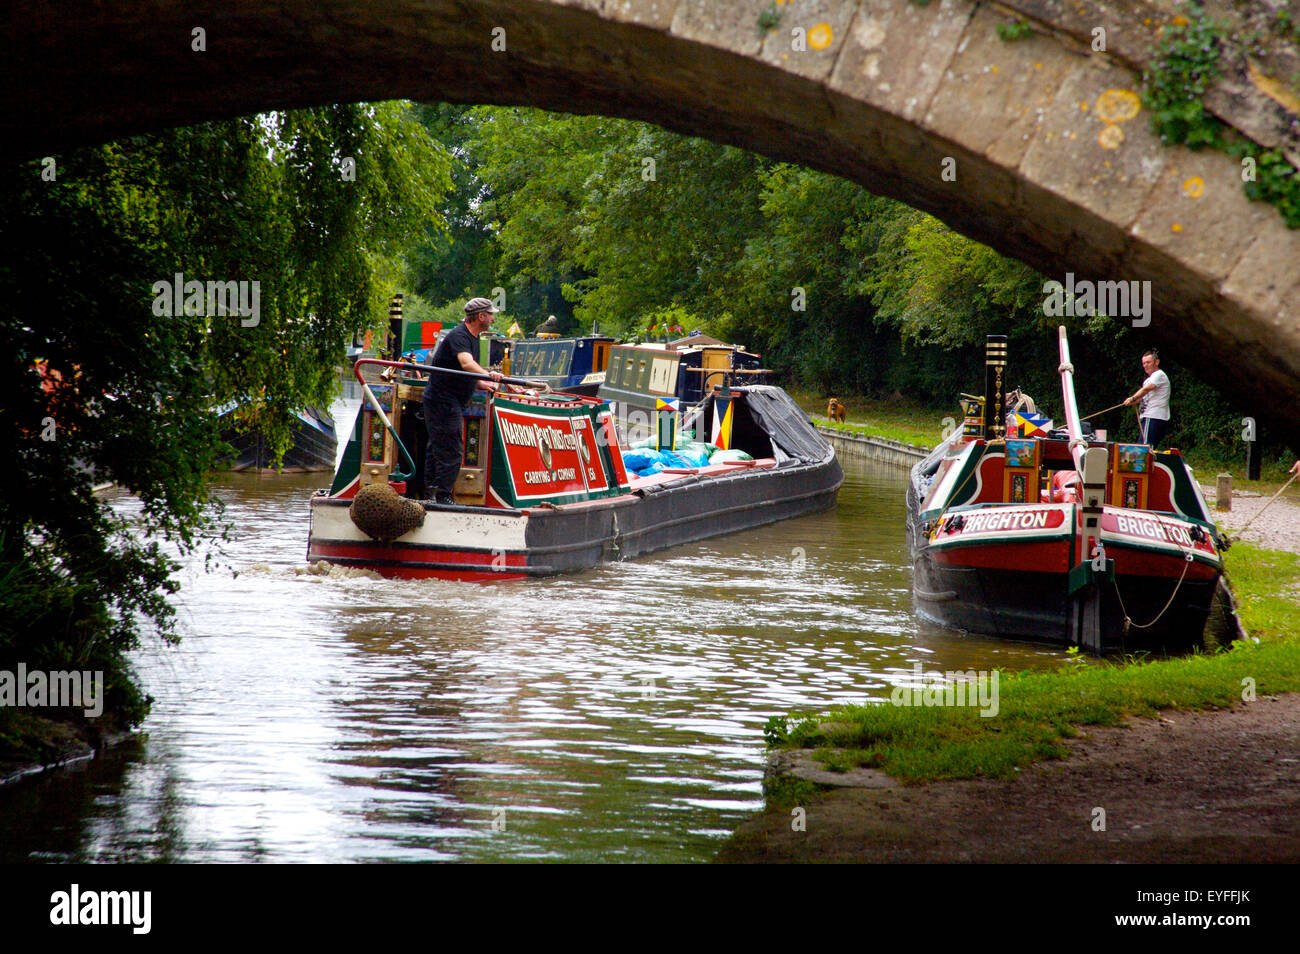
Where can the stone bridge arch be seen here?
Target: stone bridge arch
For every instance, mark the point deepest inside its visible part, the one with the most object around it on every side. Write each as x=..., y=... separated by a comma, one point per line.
x=1049, y=164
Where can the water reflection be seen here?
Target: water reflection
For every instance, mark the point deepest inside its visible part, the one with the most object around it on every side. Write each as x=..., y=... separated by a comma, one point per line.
x=614, y=714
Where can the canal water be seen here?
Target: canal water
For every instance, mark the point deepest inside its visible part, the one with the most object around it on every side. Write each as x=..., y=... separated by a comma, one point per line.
x=611, y=715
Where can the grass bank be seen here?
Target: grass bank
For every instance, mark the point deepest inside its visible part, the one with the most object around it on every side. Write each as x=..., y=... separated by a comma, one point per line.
x=1038, y=711
x=903, y=421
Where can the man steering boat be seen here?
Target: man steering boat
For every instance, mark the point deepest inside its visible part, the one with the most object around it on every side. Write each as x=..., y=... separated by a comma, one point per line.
x=447, y=395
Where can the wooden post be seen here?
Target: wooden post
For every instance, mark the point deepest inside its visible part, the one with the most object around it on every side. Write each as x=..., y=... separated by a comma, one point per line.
x=1223, y=492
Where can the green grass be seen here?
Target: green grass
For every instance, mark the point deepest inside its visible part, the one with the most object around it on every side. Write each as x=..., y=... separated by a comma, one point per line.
x=901, y=421
x=1266, y=584
x=1039, y=710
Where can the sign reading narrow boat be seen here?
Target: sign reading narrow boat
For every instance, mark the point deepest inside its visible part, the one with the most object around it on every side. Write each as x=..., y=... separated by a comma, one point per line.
x=550, y=454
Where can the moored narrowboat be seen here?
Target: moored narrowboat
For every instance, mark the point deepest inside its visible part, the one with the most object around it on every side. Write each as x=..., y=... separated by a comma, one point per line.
x=570, y=365
x=642, y=379
x=1060, y=537
x=312, y=443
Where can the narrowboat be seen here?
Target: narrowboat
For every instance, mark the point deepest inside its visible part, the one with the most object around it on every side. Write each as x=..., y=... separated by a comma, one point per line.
x=543, y=488
x=642, y=379
x=571, y=365
x=313, y=443
x=1060, y=537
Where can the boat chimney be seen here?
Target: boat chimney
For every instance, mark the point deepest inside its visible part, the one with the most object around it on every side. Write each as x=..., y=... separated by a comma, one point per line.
x=995, y=386
x=395, y=326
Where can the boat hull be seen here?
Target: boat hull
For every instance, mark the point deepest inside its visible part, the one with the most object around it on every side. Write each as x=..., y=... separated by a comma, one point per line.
x=1037, y=606
x=1006, y=573
x=313, y=446
x=483, y=544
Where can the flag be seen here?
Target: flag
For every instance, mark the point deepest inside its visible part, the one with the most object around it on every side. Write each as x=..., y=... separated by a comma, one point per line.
x=1033, y=424
x=722, y=419
x=515, y=331
x=667, y=404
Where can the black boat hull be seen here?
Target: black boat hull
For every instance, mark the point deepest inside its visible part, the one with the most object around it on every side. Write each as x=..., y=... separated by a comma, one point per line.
x=313, y=446
x=1036, y=607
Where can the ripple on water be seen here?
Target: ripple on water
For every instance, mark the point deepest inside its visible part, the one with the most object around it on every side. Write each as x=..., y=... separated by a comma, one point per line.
x=615, y=714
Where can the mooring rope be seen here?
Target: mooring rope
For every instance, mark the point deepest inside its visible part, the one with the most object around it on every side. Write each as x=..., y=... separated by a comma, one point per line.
x=1128, y=620
x=1265, y=507
x=1100, y=413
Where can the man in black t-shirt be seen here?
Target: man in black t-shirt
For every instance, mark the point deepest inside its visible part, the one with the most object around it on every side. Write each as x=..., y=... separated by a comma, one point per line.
x=447, y=395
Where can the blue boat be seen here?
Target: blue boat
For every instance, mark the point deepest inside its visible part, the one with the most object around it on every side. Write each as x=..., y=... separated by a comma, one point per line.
x=571, y=365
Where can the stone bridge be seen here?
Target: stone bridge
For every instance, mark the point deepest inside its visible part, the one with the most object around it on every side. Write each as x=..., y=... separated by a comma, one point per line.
x=1037, y=146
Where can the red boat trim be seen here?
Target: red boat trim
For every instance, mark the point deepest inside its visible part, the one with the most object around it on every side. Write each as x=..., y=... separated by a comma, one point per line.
x=1044, y=556
x=1170, y=553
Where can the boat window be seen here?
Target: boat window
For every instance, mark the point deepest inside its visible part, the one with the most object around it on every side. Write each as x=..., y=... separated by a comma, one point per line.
x=663, y=377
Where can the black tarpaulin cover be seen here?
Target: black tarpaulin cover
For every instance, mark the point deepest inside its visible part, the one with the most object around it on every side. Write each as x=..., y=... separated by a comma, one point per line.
x=792, y=434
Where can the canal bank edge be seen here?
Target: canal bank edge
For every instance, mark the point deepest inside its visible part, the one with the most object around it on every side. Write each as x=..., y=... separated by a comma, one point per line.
x=1187, y=787
x=40, y=745
x=1217, y=785
x=853, y=446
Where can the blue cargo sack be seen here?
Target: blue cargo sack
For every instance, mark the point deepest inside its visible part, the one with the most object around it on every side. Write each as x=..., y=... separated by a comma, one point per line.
x=695, y=455
x=639, y=458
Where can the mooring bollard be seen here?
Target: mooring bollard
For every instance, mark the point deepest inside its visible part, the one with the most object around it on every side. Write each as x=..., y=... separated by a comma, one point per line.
x=1223, y=493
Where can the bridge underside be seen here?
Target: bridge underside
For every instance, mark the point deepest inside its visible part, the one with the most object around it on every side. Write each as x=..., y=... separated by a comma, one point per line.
x=1048, y=166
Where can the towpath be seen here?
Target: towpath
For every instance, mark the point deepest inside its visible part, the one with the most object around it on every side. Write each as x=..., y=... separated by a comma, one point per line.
x=1186, y=787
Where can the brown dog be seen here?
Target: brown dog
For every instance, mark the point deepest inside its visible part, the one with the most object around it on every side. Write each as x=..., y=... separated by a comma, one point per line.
x=836, y=410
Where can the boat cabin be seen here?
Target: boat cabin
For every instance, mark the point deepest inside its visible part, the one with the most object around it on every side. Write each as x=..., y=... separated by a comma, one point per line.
x=519, y=450
x=640, y=377
x=1035, y=470
x=575, y=365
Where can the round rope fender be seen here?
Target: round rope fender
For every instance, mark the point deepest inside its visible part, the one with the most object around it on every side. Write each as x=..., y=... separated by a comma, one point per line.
x=382, y=514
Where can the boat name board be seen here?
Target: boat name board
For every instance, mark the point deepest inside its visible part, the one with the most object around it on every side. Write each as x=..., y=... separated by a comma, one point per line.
x=549, y=454
x=1159, y=532
x=1152, y=529
x=1036, y=522
x=1019, y=520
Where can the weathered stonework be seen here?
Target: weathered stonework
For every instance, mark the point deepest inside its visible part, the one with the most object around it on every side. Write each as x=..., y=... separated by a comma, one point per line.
x=885, y=92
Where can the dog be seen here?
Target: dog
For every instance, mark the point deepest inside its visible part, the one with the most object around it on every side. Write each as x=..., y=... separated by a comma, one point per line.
x=836, y=410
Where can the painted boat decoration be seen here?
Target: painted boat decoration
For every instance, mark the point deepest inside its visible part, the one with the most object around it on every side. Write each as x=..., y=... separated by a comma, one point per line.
x=543, y=488
x=571, y=365
x=1060, y=537
x=641, y=379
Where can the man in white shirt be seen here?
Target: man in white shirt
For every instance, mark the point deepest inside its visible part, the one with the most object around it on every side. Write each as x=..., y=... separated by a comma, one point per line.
x=1153, y=413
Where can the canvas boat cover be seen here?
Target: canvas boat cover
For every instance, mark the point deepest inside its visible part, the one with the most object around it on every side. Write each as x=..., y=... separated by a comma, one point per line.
x=792, y=433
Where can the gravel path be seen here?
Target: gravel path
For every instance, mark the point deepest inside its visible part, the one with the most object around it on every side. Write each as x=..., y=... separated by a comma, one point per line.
x=1277, y=528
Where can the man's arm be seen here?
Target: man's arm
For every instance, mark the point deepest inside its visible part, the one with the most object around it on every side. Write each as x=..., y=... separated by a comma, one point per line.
x=468, y=363
x=1137, y=395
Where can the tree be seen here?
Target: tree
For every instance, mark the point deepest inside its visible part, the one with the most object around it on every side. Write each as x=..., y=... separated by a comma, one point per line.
x=311, y=210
